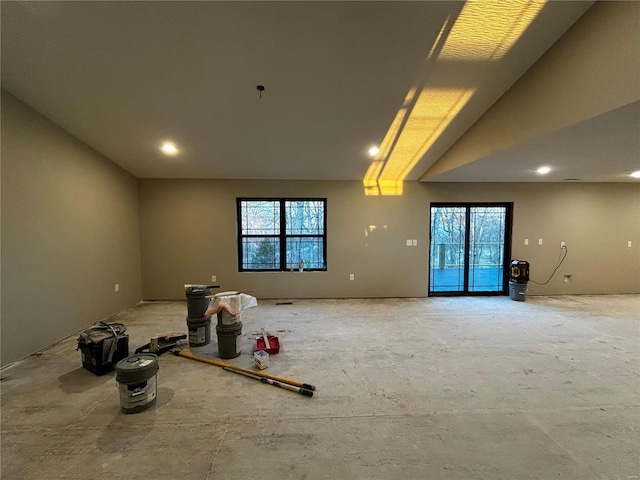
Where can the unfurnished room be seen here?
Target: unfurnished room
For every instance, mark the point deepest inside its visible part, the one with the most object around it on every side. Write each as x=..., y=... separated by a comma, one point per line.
x=419, y=221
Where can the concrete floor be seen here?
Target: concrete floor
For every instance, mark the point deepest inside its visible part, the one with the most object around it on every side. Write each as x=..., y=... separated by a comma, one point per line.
x=438, y=388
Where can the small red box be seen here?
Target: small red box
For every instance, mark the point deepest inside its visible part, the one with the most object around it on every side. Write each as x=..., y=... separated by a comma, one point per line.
x=274, y=344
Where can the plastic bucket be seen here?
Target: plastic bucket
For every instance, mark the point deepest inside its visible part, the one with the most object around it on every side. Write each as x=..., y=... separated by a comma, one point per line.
x=199, y=331
x=229, y=340
x=197, y=301
x=225, y=318
x=137, y=381
x=517, y=291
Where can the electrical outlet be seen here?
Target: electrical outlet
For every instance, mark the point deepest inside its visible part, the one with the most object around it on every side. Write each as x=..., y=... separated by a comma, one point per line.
x=563, y=244
x=408, y=242
x=526, y=241
x=414, y=242
x=352, y=276
x=213, y=278
x=116, y=287
x=567, y=279
x=539, y=241
x=629, y=244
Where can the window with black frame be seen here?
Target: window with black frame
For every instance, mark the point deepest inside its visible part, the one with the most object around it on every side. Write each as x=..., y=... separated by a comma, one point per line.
x=282, y=234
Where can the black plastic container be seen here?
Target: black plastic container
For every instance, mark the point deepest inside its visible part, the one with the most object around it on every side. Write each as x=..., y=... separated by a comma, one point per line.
x=94, y=358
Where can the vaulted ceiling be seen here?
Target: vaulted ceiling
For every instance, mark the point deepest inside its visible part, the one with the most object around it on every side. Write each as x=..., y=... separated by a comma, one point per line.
x=449, y=91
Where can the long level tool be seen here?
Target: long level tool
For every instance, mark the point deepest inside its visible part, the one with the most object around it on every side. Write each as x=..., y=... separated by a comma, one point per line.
x=218, y=363
x=275, y=383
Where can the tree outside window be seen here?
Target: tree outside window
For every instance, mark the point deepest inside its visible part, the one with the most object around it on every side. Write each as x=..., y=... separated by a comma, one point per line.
x=279, y=234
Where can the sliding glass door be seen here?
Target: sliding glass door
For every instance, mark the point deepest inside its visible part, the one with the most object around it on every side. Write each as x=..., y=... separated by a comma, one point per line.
x=469, y=248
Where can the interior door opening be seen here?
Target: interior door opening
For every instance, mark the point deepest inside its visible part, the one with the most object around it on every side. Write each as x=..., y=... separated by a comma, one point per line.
x=470, y=246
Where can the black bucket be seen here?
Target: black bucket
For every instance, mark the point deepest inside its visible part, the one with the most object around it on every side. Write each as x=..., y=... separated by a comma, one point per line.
x=199, y=331
x=137, y=381
x=229, y=340
x=197, y=301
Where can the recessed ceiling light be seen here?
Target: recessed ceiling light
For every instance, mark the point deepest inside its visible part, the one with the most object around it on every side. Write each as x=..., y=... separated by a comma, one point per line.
x=543, y=170
x=169, y=148
x=636, y=174
x=373, y=151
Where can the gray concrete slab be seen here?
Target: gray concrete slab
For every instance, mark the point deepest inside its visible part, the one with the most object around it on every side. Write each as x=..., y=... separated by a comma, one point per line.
x=443, y=388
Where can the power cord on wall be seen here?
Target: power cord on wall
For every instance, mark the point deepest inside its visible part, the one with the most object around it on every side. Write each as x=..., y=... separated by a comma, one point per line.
x=563, y=255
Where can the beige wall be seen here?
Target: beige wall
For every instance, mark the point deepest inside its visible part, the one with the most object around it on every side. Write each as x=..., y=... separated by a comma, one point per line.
x=188, y=233
x=69, y=234
x=595, y=220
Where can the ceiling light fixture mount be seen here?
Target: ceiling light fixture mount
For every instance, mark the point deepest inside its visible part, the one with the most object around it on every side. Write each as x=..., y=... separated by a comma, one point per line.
x=260, y=89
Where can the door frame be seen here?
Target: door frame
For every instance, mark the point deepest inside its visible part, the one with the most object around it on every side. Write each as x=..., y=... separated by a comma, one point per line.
x=506, y=251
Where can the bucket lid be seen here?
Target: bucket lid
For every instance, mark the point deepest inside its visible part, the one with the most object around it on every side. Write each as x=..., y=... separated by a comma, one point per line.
x=196, y=293
x=139, y=363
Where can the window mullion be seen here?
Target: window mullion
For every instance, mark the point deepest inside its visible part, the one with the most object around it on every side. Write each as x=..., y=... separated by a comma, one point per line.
x=283, y=230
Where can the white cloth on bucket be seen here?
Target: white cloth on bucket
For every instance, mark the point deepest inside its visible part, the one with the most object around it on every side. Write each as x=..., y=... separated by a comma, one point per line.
x=232, y=302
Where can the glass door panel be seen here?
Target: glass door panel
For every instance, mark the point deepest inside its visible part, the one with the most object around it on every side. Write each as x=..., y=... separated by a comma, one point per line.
x=468, y=247
x=486, y=249
x=448, y=239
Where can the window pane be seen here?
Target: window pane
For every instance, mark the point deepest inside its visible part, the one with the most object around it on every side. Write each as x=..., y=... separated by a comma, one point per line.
x=260, y=217
x=486, y=255
x=304, y=217
x=261, y=253
x=448, y=226
x=309, y=249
